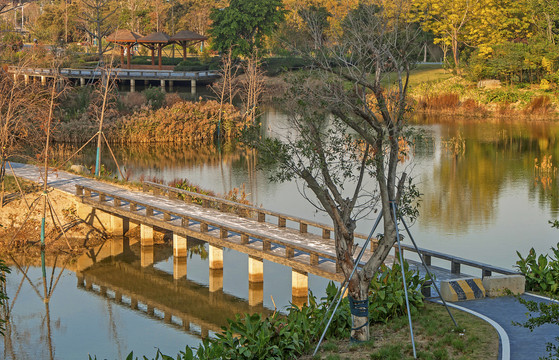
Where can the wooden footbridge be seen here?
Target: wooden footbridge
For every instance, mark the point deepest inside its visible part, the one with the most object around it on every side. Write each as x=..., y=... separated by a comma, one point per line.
x=164, y=77
x=305, y=246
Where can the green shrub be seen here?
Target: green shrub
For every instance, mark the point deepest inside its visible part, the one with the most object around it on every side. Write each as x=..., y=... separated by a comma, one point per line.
x=541, y=272
x=387, y=297
x=154, y=96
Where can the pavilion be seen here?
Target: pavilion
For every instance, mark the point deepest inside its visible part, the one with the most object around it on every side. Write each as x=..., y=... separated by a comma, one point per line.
x=126, y=39
x=157, y=40
x=186, y=38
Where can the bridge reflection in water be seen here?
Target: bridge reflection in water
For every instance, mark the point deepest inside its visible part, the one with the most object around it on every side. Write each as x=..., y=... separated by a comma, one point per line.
x=122, y=271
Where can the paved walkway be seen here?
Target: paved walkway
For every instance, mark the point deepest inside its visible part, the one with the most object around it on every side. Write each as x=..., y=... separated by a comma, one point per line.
x=517, y=342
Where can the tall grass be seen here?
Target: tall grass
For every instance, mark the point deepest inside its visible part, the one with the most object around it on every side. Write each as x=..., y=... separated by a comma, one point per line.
x=182, y=122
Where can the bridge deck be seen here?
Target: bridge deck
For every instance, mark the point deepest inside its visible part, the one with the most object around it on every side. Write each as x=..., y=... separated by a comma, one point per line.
x=299, y=249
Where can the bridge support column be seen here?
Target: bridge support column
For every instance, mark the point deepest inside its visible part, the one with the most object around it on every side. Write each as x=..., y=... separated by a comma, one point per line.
x=163, y=85
x=255, y=270
x=118, y=225
x=26, y=79
x=299, y=287
x=215, y=280
x=132, y=85
x=255, y=293
x=171, y=85
x=146, y=256
x=180, y=245
x=146, y=235
x=82, y=82
x=43, y=80
x=216, y=257
x=15, y=78
x=193, y=86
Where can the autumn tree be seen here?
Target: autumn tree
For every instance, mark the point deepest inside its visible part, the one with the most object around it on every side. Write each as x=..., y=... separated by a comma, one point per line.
x=346, y=134
x=471, y=23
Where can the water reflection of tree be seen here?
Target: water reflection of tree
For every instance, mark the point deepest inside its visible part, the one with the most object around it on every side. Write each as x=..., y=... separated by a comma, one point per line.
x=44, y=290
x=464, y=187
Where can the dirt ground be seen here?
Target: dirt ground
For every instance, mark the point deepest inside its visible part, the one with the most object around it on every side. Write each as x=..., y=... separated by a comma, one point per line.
x=72, y=239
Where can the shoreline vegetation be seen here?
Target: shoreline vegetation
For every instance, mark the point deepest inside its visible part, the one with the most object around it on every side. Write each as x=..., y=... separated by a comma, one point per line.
x=153, y=116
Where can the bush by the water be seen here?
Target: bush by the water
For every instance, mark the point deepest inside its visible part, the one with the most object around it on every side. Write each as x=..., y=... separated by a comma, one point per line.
x=541, y=271
x=183, y=122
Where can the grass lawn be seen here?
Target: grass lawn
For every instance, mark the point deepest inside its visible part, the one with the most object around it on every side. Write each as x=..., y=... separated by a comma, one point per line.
x=435, y=338
x=423, y=73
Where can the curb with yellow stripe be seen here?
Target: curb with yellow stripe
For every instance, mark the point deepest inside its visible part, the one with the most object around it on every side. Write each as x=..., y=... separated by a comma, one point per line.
x=462, y=289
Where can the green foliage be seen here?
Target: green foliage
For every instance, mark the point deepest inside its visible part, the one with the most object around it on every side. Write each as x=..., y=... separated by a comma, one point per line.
x=155, y=97
x=276, y=65
x=387, y=297
x=3, y=296
x=548, y=313
x=541, y=272
x=516, y=63
x=244, y=24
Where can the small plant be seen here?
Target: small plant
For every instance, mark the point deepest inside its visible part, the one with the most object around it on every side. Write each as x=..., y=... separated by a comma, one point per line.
x=541, y=272
x=387, y=295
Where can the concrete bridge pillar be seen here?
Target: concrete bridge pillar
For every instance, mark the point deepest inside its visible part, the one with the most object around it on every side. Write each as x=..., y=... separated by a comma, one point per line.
x=146, y=256
x=15, y=77
x=299, y=287
x=43, y=80
x=146, y=235
x=193, y=86
x=132, y=85
x=180, y=245
x=26, y=79
x=163, y=85
x=216, y=280
x=255, y=293
x=216, y=257
x=118, y=225
x=255, y=270
x=82, y=82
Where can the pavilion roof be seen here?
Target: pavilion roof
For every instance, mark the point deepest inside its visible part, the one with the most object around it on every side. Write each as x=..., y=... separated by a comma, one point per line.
x=124, y=36
x=155, y=38
x=187, y=35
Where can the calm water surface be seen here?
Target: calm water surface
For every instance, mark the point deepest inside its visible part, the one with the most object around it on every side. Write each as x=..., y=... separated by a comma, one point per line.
x=482, y=200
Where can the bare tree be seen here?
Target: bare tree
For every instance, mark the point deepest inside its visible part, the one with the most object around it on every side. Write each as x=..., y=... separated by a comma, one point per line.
x=97, y=22
x=252, y=86
x=21, y=104
x=348, y=82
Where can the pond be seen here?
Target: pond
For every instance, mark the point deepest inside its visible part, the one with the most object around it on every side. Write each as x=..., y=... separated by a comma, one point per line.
x=482, y=199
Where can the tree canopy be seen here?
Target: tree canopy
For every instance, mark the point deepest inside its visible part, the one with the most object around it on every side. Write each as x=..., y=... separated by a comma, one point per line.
x=244, y=24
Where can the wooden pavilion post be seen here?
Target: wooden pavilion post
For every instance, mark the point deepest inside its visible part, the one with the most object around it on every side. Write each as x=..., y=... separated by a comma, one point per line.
x=121, y=55
x=152, y=55
x=160, y=48
x=183, y=44
x=128, y=57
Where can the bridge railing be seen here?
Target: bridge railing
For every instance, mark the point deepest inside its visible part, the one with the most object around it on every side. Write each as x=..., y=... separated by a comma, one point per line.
x=261, y=214
x=122, y=73
x=285, y=251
